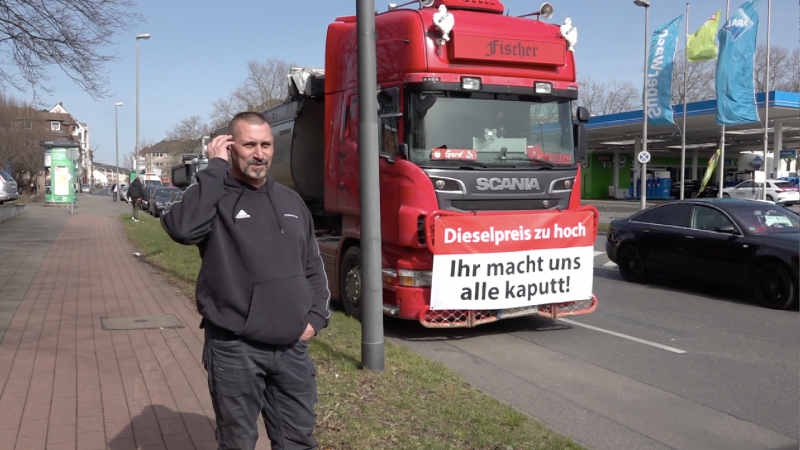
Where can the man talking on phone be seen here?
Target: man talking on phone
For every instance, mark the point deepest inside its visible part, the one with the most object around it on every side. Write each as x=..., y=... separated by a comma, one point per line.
x=262, y=290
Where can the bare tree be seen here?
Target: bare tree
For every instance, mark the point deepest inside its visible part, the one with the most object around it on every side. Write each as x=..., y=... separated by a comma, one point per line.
x=188, y=132
x=699, y=80
x=19, y=137
x=73, y=35
x=783, y=69
x=266, y=85
x=608, y=97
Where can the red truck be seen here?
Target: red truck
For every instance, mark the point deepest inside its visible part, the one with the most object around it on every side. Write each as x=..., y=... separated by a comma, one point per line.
x=476, y=127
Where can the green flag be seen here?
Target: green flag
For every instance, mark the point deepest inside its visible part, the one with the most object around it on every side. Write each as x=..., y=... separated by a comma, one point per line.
x=701, y=46
x=712, y=163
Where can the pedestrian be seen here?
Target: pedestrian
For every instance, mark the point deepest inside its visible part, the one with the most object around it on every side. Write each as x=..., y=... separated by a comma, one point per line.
x=114, y=192
x=262, y=290
x=135, y=193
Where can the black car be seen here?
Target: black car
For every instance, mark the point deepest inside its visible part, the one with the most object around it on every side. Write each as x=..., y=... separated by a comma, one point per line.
x=692, y=189
x=749, y=242
x=159, y=198
x=144, y=205
x=176, y=197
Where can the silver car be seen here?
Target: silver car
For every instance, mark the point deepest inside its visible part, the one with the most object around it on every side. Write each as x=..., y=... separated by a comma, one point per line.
x=8, y=188
x=778, y=191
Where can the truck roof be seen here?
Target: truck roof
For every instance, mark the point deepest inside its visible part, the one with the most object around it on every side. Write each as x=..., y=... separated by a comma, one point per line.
x=481, y=43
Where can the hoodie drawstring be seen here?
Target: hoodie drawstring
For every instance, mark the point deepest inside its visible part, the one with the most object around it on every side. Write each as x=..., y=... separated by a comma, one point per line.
x=277, y=216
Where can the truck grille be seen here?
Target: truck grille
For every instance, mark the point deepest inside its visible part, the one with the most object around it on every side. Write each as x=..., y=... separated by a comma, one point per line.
x=500, y=205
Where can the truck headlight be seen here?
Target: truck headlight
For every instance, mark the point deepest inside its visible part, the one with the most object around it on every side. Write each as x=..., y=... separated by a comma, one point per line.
x=415, y=278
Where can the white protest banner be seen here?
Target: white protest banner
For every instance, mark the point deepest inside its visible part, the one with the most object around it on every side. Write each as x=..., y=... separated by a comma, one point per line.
x=512, y=261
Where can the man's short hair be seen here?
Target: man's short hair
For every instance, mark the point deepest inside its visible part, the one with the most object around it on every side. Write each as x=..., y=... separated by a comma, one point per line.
x=252, y=118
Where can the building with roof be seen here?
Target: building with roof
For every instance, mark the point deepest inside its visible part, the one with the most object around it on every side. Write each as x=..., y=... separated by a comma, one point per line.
x=159, y=158
x=614, y=140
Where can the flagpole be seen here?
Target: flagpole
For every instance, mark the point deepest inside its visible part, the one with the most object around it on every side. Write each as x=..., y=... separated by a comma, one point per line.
x=766, y=165
x=721, y=176
x=683, y=133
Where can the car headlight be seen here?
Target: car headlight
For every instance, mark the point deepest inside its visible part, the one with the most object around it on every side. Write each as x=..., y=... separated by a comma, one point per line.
x=159, y=203
x=415, y=278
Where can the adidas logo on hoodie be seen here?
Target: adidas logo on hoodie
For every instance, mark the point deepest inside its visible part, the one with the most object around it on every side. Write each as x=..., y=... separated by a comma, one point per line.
x=242, y=214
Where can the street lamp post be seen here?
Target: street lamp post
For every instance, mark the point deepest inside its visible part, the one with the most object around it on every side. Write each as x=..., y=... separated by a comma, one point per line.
x=116, y=132
x=136, y=151
x=646, y=5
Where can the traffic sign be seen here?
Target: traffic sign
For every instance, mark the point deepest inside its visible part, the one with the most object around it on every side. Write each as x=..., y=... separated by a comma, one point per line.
x=644, y=157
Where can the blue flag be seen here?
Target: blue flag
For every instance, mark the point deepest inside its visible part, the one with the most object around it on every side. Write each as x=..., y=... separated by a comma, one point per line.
x=658, y=98
x=736, y=97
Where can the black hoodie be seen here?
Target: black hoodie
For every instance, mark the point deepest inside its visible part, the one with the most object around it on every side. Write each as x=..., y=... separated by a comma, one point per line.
x=261, y=277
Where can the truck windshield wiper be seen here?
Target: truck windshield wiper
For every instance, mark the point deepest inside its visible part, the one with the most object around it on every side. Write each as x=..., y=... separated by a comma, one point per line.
x=544, y=162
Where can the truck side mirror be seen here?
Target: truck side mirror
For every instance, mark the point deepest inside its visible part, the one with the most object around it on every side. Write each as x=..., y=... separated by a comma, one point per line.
x=403, y=149
x=579, y=131
x=583, y=114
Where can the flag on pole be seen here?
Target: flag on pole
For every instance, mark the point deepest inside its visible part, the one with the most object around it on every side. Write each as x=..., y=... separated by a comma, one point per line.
x=658, y=92
x=701, y=46
x=712, y=163
x=736, y=99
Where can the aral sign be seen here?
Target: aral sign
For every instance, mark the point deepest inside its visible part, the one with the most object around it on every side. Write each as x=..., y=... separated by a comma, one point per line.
x=512, y=261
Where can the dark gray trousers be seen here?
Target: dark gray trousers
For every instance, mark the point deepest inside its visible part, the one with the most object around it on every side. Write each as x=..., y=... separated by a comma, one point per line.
x=246, y=378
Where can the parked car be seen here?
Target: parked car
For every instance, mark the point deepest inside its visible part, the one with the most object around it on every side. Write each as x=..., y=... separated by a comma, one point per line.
x=176, y=197
x=125, y=194
x=144, y=205
x=86, y=189
x=779, y=191
x=692, y=189
x=9, y=190
x=159, y=199
x=751, y=243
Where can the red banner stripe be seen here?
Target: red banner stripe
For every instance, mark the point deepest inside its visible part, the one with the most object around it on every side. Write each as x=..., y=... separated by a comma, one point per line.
x=512, y=233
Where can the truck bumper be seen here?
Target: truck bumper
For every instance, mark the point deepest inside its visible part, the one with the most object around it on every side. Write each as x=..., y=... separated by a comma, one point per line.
x=414, y=303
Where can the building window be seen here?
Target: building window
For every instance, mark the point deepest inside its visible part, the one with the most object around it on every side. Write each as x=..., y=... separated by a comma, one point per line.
x=55, y=126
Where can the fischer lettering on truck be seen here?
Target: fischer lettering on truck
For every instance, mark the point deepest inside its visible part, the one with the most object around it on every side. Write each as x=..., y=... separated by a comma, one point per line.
x=479, y=165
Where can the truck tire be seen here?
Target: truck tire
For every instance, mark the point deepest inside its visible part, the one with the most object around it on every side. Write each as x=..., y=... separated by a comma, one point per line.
x=350, y=282
x=773, y=286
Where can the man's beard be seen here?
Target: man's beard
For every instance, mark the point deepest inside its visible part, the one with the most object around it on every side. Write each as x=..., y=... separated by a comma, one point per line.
x=257, y=173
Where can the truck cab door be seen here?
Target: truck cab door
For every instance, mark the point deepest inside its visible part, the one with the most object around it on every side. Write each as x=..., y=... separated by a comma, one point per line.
x=389, y=137
x=389, y=132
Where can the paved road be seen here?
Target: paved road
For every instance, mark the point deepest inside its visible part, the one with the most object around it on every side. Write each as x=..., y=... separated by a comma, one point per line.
x=666, y=365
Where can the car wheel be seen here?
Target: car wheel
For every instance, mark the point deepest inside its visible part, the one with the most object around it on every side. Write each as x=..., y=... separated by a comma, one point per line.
x=695, y=194
x=773, y=286
x=350, y=282
x=769, y=197
x=631, y=264
x=725, y=195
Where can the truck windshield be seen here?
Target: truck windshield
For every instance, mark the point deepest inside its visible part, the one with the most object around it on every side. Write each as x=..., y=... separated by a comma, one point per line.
x=489, y=130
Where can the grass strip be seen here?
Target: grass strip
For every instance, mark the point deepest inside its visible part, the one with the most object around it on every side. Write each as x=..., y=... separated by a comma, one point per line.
x=414, y=404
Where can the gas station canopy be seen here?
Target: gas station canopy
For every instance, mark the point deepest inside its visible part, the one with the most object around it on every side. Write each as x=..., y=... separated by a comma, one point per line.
x=618, y=131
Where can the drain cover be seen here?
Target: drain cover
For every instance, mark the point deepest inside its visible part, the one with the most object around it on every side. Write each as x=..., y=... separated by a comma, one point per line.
x=140, y=322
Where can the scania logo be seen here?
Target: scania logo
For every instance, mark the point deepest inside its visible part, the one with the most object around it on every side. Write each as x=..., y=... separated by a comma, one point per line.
x=507, y=184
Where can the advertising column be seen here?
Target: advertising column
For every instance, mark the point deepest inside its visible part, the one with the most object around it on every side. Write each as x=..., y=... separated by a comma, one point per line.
x=60, y=176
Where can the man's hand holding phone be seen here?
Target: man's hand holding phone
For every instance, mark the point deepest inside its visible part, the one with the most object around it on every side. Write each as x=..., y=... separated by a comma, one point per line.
x=220, y=146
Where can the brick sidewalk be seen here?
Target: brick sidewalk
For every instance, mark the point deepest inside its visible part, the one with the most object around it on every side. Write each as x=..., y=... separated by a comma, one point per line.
x=66, y=383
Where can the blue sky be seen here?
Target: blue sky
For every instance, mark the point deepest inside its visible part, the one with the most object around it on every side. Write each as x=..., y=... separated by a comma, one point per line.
x=199, y=50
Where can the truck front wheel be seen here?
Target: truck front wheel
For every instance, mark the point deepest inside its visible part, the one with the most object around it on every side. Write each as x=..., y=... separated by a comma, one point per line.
x=350, y=282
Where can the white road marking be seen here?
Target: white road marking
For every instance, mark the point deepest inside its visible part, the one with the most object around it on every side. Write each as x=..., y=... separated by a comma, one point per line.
x=596, y=253
x=610, y=265
x=624, y=336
